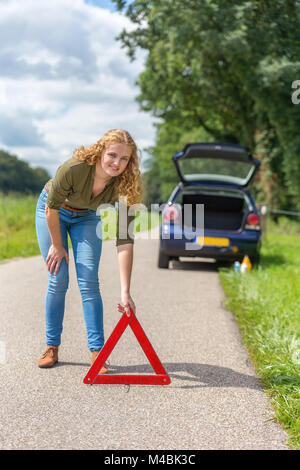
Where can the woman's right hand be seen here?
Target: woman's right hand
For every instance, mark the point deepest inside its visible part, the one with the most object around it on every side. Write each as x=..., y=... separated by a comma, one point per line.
x=55, y=257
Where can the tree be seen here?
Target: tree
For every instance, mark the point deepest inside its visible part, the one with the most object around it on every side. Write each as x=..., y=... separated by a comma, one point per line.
x=225, y=67
x=17, y=175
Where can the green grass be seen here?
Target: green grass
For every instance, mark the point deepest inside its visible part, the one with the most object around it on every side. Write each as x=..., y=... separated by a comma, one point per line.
x=266, y=305
x=17, y=225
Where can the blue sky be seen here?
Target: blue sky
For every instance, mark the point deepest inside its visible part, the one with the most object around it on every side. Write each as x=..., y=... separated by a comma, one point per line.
x=102, y=4
x=65, y=80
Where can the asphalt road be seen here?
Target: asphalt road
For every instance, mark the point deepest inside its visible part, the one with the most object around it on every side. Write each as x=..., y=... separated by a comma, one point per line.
x=214, y=401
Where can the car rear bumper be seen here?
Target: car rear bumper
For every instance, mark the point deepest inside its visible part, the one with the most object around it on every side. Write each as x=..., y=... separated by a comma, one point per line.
x=245, y=242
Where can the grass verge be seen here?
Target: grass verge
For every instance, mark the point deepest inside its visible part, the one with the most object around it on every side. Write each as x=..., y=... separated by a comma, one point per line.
x=266, y=305
x=17, y=226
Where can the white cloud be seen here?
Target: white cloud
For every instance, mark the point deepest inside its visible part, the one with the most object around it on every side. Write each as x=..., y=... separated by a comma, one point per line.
x=64, y=79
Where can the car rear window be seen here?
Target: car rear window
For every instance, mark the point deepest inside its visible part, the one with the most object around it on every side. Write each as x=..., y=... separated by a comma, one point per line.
x=215, y=169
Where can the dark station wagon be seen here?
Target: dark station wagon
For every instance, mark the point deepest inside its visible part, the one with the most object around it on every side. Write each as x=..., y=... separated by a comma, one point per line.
x=211, y=212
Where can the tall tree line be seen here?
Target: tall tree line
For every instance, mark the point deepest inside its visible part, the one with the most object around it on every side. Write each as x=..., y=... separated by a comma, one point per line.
x=16, y=175
x=221, y=71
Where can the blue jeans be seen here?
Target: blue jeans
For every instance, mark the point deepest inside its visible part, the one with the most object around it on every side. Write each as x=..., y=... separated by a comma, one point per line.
x=81, y=227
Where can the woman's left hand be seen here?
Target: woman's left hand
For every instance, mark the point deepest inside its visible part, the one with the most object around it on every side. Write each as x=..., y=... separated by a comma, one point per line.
x=126, y=304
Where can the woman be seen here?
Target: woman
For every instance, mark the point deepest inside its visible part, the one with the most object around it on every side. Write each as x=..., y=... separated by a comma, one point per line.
x=95, y=175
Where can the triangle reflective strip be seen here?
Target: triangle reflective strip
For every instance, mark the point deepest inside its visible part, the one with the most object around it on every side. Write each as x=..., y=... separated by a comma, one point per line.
x=161, y=377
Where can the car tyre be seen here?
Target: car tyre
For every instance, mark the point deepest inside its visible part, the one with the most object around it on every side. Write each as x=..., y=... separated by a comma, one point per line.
x=163, y=260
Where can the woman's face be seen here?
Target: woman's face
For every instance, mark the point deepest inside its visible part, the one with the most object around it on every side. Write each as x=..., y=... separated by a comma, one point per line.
x=115, y=158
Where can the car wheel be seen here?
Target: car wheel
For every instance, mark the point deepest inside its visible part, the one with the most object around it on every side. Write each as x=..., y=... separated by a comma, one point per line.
x=163, y=261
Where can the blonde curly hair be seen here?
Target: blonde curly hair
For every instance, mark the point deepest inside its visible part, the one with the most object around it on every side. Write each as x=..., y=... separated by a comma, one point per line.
x=128, y=183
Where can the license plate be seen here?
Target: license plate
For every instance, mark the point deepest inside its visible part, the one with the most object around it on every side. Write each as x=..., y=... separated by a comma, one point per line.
x=213, y=241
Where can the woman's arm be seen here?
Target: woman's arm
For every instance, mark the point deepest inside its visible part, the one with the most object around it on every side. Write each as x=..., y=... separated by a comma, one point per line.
x=56, y=252
x=52, y=218
x=125, y=257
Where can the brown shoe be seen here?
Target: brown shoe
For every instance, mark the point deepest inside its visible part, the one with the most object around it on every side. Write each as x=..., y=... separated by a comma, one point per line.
x=49, y=358
x=104, y=368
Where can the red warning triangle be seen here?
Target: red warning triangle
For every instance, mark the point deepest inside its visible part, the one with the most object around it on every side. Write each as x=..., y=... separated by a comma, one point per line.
x=161, y=377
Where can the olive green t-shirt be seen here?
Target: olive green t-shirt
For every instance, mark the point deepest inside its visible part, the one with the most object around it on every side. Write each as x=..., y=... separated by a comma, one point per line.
x=73, y=185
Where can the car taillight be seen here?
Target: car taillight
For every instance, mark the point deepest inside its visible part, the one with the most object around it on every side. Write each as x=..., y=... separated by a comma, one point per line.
x=253, y=222
x=171, y=213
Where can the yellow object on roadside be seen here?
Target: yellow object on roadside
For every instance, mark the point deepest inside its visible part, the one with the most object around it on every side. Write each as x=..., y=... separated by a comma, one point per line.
x=246, y=264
